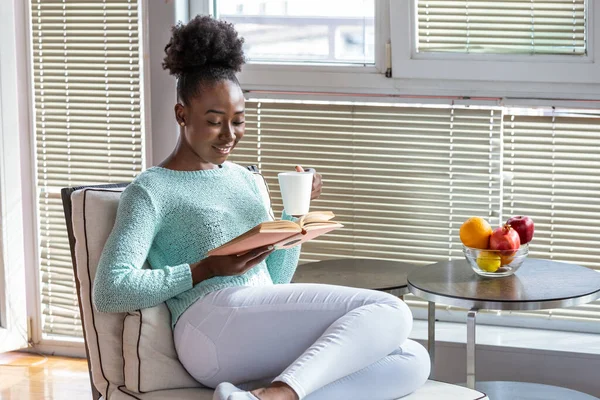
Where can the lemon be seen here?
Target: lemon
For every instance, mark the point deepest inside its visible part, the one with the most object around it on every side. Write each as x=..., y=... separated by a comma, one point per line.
x=489, y=261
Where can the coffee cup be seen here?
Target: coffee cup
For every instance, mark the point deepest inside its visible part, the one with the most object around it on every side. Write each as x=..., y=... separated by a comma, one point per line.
x=296, y=188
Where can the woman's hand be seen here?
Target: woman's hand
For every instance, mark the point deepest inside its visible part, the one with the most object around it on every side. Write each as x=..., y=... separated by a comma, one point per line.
x=317, y=183
x=228, y=265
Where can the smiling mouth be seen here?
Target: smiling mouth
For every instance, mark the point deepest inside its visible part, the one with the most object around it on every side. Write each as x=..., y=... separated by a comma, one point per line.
x=223, y=149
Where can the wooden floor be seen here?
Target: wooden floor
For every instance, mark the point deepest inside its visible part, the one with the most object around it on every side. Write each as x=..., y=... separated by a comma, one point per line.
x=27, y=376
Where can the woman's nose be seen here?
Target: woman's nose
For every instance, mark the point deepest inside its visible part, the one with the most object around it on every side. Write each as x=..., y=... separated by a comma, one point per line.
x=227, y=132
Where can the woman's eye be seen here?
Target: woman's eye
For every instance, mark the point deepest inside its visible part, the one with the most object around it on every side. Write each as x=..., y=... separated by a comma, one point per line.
x=239, y=122
x=214, y=123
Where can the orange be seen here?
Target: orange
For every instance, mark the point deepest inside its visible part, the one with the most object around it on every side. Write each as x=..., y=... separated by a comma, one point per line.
x=506, y=259
x=475, y=232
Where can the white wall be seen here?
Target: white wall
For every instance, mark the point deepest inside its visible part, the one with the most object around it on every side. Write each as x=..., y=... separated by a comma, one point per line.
x=162, y=96
x=27, y=167
x=13, y=312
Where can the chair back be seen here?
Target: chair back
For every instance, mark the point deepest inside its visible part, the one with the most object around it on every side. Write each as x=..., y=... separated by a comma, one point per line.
x=90, y=213
x=113, y=340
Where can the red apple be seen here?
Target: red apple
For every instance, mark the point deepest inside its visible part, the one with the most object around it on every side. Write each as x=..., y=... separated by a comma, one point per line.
x=505, y=238
x=524, y=227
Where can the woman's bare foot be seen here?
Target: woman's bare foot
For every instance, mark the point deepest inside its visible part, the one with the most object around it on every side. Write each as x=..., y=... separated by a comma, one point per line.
x=276, y=391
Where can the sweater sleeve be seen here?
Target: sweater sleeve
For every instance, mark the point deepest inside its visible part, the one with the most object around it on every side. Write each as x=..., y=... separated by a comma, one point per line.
x=120, y=284
x=282, y=263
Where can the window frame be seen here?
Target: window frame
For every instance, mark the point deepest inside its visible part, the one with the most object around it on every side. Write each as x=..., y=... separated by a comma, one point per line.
x=436, y=79
x=14, y=333
x=484, y=74
x=319, y=77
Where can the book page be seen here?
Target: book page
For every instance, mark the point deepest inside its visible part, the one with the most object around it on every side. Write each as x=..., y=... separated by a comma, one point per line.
x=279, y=225
x=315, y=217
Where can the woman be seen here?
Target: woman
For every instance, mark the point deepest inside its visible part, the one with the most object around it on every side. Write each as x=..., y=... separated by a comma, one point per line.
x=237, y=319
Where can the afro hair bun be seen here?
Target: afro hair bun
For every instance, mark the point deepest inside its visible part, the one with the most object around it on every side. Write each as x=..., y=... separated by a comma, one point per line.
x=203, y=43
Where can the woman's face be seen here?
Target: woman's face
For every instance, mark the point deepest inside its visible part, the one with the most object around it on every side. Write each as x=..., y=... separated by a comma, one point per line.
x=214, y=122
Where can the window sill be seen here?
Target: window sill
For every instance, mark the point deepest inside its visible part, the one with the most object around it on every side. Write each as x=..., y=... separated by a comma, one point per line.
x=60, y=347
x=511, y=337
x=316, y=79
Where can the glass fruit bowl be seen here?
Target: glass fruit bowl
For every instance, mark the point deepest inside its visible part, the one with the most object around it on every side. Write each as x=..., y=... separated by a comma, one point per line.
x=495, y=263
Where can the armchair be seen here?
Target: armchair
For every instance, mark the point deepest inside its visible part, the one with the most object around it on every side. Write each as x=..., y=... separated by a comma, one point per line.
x=132, y=355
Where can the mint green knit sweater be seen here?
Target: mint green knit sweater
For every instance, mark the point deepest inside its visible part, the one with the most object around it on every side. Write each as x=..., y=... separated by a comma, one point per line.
x=172, y=219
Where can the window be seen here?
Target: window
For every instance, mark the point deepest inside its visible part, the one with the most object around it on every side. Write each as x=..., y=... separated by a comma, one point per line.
x=515, y=49
x=88, y=126
x=300, y=31
x=403, y=178
x=326, y=46
x=535, y=46
x=502, y=27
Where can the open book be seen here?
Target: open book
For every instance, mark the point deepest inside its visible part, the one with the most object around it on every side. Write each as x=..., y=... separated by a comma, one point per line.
x=282, y=234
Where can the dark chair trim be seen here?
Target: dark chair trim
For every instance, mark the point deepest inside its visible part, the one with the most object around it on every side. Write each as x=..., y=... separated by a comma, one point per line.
x=127, y=393
x=68, y=209
x=138, y=355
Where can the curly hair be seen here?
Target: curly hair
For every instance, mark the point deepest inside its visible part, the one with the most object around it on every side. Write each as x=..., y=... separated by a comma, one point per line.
x=202, y=52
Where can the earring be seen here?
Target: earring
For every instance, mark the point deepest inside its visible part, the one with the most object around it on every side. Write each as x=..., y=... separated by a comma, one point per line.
x=182, y=123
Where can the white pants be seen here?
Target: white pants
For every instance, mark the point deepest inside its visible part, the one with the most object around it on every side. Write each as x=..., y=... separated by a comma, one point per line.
x=326, y=342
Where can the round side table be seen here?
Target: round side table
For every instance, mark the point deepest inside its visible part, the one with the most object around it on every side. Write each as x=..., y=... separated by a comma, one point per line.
x=537, y=285
x=388, y=276
x=529, y=391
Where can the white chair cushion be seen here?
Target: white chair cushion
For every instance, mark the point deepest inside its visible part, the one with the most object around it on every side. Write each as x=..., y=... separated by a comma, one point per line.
x=151, y=361
x=93, y=215
x=137, y=349
x=174, y=394
x=432, y=390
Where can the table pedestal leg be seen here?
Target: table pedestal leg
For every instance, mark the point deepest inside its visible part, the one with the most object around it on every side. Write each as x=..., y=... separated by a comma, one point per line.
x=431, y=333
x=471, y=348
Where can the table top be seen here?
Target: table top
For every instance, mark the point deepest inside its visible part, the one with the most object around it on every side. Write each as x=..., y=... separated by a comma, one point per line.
x=358, y=273
x=538, y=284
x=501, y=390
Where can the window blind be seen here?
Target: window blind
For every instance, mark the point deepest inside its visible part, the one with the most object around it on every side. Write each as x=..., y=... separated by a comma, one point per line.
x=552, y=157
x=402, y=179
x=88, y=125
x=513, y=26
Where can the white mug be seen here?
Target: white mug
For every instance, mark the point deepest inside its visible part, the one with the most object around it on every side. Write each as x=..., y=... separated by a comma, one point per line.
x=296, y=188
